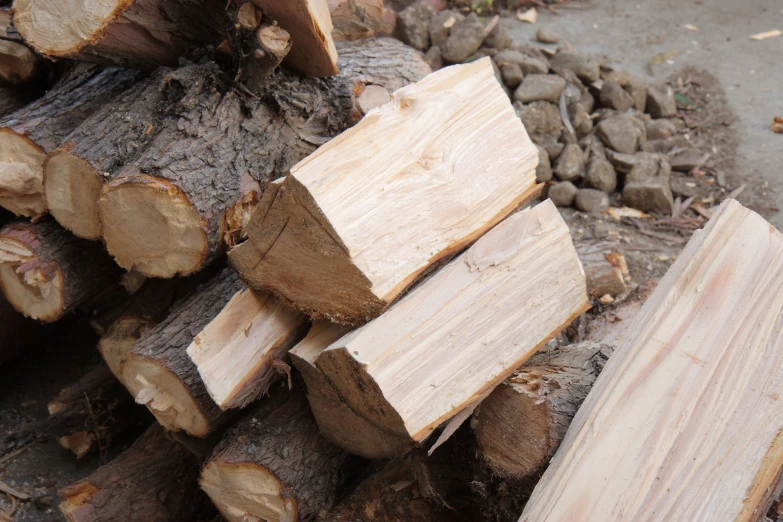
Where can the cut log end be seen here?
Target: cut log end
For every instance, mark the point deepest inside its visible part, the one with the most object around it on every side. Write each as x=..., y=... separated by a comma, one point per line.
x=247, y=493
x=34, y=289
x=21, y=175
x=118, y=341
x=165, y=396
x=18, y=64
x=72, y=188
x=151, y=226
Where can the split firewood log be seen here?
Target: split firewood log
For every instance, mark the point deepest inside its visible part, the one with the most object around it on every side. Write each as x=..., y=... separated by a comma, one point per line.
x=335, y=242
x=74, y=174
x=154, y=479
x=45, y=272
x=684, y=422
x=27, y=135
x=158, y=371
x=355, y=19
x=338, y=423
x=273, y=465
x=18, y=63
x=17, y=331
x=124, y=32
x=521, y=424
x=313, y=52
x=440, y=350
x=241, y=353
x=196, y=188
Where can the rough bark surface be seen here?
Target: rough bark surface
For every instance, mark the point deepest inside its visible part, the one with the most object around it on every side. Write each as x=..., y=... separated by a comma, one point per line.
x=60, y=272
x=154, y=480
x=160, y=358
x=142, y=33
x=279, y=438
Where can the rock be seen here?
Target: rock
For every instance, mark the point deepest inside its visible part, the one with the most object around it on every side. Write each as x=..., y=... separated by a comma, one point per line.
x=585, y=67
x=687, y=160
x=536, y=87
x=667, y=145
x=638, y=92
x=571, y=163
x=440, y=25
x=624, y=78
x=563, y=193
x=683, y=187
x=650, y=195
x=587, y=100
x=547, y=35
x=580, y=120
x=600, y=174
x=529, y=65
x=554, y=150
x=660, y=102
x=649, y=166
x=544, y=168
x=614, y=96
x=592, y=145
x=572, y=93
x=413, y=25
x=498, y=38
x=464, y=39
x=619, y=133
x=542, y=121
x=660, y=129
x=591, y=200
x=512, y=74
x=434, y=58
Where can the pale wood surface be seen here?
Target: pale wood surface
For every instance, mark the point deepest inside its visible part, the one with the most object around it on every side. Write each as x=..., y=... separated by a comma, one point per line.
x=685, y=422
x=464, y=330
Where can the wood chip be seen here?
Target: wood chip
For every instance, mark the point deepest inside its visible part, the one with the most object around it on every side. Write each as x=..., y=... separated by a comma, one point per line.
x=621, y=212
x=769, y=34
x=691, y=27
x=736, y=192
x=530, y=16
x=5, y=488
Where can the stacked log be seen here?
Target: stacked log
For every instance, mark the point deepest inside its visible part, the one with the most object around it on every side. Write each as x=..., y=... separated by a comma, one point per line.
x=18, y=63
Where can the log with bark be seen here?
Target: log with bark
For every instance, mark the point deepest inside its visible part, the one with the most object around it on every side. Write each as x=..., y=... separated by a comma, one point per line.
x=74, y=174
x=154, y=479
x=439, y=351
x=258, y=45
x=242, y=351
x=684, y=422
x=158, y=371
x=141, y=33
x=356, y=19
x=358, y=221
x=18, y=63
x=196, y=188
x=27, y=135
x=313, y=52
x=274, y=465
x=521, y=424
x=45, y=272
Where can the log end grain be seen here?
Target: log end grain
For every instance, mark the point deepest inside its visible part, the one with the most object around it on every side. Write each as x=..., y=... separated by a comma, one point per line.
x=21, y=174
x=118, y=341
x=151, y=226
x=72, y=188
x=18, y=64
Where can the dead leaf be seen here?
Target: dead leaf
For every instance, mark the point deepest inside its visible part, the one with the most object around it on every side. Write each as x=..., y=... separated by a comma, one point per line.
x=769, y=34
x=530, y=16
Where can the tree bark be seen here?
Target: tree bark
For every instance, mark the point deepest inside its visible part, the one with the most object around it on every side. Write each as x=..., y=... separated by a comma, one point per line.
x=27, y=135
x=159, y=373
x=13, y=98
x=155, y=479
x=90, y=156
x=138, y=33
x=196, y=188
x=274, y=465
x=45, y=272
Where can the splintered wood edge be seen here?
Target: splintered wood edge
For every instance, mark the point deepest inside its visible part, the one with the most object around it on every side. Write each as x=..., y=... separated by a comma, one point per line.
x=222, y=481
x=72, y=188
x=21, y=174
x=151, y=226
x=89, y=20
x=117, y=343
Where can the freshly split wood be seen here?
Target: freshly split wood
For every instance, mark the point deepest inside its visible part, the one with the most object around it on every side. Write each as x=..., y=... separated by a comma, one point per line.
x=158, y=371
x=241, y=353
x=443, y=347
x=273, y=465
x=142, y=33
x=416, y=181
x=198, y=180
x=45, y=272
x=684, y=422
x=27, y=135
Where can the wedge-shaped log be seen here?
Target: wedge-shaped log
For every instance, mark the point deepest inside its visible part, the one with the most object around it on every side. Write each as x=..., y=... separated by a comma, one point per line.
x=27, y=135
x=142, y=33
x=413, y=183
x=195, y=187
x=159, y=373
x=684, y=422
x=308, y=22
x=456, y=336
x=45, y=272
x=239, y=355
x=154, y=479
x=273, y=465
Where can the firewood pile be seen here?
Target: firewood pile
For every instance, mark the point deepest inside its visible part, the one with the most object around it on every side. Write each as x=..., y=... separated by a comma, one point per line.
x=325, y=272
